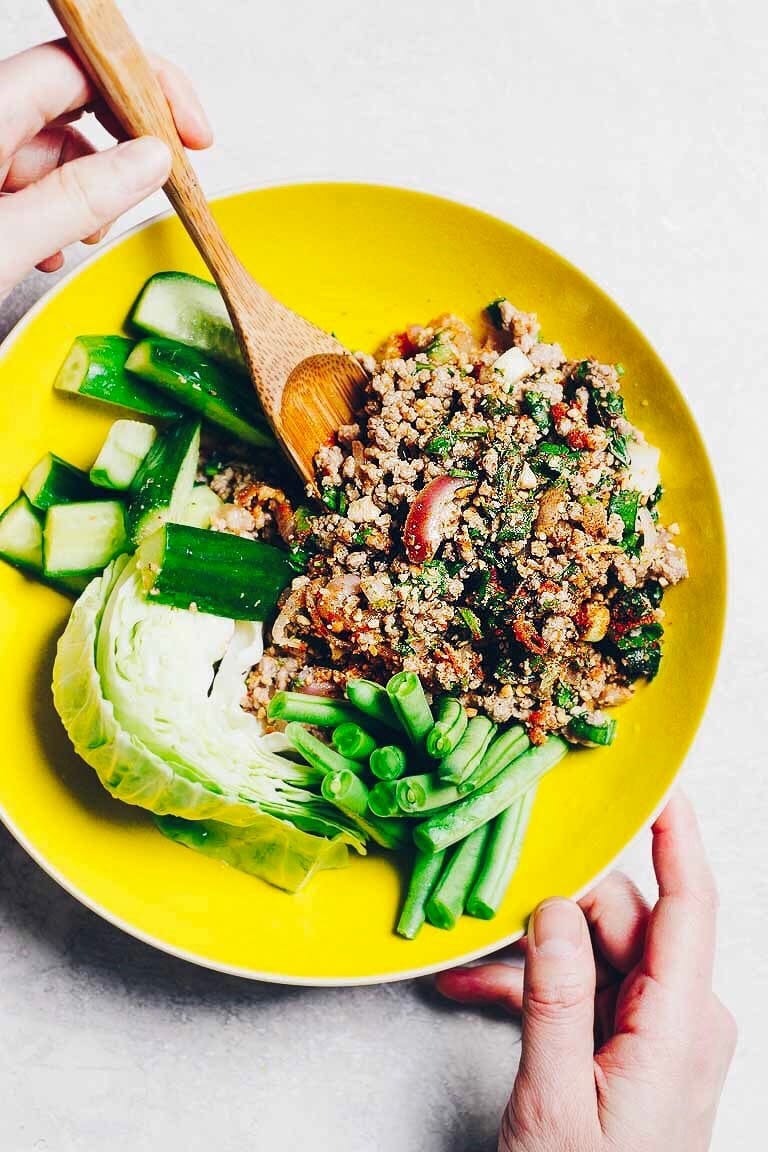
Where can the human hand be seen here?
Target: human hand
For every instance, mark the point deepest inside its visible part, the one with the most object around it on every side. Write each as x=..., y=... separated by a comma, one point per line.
x=62, y=189
x=627, y=1047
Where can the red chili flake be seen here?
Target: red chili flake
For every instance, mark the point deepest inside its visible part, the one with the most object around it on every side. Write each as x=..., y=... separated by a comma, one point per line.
x=559, y=412
x=535, y=725
x=526, y=634
x=622, y=625
x=578, y=438
x=549, y=586
x=402, y=345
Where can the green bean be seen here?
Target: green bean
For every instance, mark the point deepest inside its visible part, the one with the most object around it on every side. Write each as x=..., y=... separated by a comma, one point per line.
x=392, y=834
x=452, y=824
x=382, y=800
x=417, y=794
x=502, y=855
x=318, y=754
x=500, y=752
x=469, y=751
x=347, y=790
x=352, y=741
x=410, y=706
x=388, y=762
x=320, y=711
x=424, y=876
x=447, y=901
x=450, y=724
x=372, y=700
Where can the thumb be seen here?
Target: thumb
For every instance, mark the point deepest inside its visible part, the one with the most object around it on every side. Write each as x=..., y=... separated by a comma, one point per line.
x=556, y=1072
x=76, y=200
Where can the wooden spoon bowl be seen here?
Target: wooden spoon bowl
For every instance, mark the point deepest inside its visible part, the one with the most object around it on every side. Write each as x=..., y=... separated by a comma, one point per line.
x=307, y=382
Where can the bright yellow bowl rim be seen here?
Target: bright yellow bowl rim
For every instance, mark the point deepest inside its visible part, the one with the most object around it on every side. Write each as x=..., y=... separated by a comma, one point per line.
x=361, y=260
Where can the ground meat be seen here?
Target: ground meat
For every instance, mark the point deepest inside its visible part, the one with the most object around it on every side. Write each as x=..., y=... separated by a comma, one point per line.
x=478, y=525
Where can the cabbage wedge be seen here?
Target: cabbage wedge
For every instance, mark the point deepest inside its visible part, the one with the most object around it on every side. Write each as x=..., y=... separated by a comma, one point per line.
x=150, y=697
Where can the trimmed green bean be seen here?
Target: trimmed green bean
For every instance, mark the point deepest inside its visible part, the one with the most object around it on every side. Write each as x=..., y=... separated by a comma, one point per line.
x=502, y=855
x=452, y=824
x=450, y=724
x=422, y=793
x=388, y=762
x=320, y=711
x=319, y=755
x=382, y=800
x=410, y=706
x=499, y=753
x=427, y=867
x=347, y=790
x=469, y=751
x=447, y=901
x=352, y=741
x=372, y=700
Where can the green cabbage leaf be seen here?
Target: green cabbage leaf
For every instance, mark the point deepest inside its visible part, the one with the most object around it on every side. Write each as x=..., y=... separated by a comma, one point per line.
x=150, y=697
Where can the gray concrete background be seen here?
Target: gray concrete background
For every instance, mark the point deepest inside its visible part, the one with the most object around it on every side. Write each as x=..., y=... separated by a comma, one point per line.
x=632, y=136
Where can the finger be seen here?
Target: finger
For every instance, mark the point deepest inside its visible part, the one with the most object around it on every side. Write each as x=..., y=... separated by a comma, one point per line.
x=76, y=200
x=51, y=263
x=46, y=82
x=680, y=939
x=192, y=124
x=618, y=917
x=53, y=146
x=558, y=1010
x=497, y=984
x=606, y=973
x=605, y=1014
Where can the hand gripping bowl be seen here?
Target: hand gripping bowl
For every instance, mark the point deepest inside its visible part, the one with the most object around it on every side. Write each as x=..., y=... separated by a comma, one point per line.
x=362, y=261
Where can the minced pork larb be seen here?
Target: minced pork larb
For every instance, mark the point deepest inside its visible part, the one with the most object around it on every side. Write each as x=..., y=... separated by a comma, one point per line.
x=490, y=521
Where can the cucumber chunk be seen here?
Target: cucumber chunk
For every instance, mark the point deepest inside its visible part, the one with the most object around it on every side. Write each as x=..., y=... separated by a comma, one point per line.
x=191, y=311
x=196, y=381
x=54, y=481
x=162, y=487
x=218, y=573
x=203, y=506
x=82, y=538
x=121, y=454
x=21, y=545
x=21, y=535
x=95, y=367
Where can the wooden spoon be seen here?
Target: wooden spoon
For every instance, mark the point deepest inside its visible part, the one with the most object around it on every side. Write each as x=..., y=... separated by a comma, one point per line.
x=307, y=382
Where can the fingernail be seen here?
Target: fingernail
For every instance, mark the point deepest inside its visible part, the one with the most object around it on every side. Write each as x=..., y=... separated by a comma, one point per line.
x=558, y=928
x=145, y=162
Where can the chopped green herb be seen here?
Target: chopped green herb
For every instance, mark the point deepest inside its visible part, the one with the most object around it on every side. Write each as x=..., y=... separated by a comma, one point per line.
x=654, y=591
x=493, y=311
x=569, y=570
x=298, y=557
x=618, y=446
x=303, y=519
x=565, y=697
x=439, y=349
x=625, y=505
x=472, y=621
x=517, y=521
x=539, y=411
x=461, y=473
x=362, y=534
x=335, y=500
x=556, y=458
x=620, y=369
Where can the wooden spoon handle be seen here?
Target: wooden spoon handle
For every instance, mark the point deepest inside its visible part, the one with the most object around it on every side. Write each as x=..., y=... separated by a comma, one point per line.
x=111, y=54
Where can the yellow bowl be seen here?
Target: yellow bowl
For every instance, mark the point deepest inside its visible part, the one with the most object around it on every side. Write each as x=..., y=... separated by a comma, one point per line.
x=362, y=261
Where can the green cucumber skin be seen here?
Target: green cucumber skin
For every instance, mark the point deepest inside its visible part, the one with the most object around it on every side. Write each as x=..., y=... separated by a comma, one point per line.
x=221, y=574
x=29, y=560
x=191, y=311
x=63, y=483
x=96, y=526
x=199, y=383
x=121, y=454
x=95, y=368
x=159, y=490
